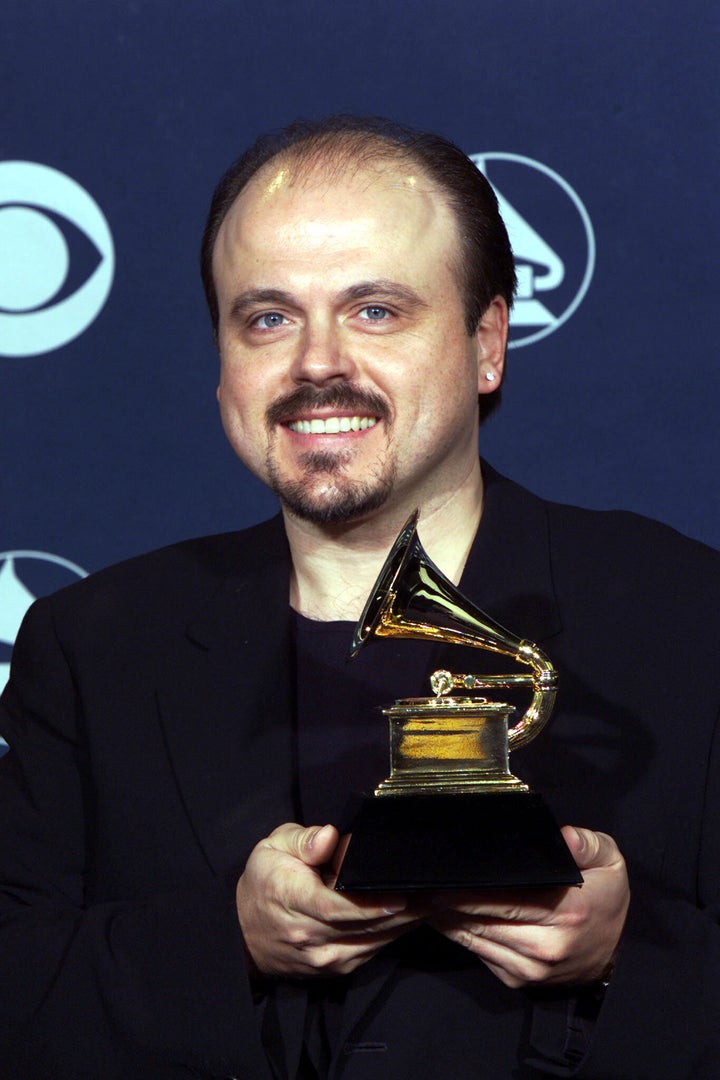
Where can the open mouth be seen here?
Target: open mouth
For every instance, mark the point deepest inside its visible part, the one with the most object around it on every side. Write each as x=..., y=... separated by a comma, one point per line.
x=332, y=425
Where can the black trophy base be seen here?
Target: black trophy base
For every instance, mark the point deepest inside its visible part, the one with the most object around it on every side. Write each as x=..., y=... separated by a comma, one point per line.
x=404, y=843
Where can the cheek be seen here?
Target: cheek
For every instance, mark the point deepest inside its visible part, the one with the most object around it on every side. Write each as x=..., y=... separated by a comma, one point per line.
x=242, y=415
x=237, y=392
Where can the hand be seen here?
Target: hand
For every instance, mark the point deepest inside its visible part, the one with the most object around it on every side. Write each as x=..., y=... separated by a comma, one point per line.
x=294, y=924
x=555, y=936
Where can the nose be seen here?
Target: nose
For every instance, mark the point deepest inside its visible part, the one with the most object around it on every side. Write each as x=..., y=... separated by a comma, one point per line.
x=323, y=355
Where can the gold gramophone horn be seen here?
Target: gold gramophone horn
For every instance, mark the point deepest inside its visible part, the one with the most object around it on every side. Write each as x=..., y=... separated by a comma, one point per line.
x=412, y=598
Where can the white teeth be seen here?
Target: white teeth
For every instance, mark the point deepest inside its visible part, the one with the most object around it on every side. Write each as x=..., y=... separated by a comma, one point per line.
x=332, y=425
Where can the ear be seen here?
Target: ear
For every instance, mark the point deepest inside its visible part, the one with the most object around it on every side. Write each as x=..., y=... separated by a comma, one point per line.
x=491, y=340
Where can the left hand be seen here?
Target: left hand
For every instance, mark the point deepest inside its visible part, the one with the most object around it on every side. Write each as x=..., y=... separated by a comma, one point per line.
x=554, y=936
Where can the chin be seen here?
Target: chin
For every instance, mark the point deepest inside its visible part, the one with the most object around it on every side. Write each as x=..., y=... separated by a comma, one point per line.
x=342, y=504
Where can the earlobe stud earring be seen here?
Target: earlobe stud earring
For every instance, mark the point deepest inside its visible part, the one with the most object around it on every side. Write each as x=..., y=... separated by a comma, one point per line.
x=490, y=376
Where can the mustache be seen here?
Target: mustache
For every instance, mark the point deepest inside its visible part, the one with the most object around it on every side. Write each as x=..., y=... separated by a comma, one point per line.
x=342, y=396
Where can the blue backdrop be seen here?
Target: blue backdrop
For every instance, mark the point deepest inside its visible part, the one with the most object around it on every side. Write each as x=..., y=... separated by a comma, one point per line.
x=597, y=123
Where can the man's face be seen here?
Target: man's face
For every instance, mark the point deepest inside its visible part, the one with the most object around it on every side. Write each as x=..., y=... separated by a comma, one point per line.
x=348, y=380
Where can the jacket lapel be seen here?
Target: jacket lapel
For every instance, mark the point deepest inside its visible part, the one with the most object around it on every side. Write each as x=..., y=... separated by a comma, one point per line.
x=509, y=572
x=226, y=701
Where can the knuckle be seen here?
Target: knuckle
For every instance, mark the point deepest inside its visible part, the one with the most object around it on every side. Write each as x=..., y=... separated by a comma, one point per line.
x=549, y=951
x=298, y=936
x=532, y=970
x=287, y=838
x=574, y=918
x=326, y=956
x=549, y=956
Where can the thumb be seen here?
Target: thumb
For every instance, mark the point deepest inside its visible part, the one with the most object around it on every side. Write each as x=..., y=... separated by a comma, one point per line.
x=590, y=849
x=313, y=845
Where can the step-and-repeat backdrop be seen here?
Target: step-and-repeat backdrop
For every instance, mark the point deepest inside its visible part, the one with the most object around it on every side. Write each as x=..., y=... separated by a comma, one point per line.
x=597, y=123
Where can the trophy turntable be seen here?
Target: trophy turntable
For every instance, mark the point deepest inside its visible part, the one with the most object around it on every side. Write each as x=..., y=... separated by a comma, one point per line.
x=451, y=814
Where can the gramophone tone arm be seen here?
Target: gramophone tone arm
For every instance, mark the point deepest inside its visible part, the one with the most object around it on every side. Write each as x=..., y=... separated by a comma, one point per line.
x=442, y=682
x=543, y=681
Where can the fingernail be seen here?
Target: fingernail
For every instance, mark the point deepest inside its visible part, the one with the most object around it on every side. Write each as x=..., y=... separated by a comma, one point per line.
x=309, y=843
x=581, y=841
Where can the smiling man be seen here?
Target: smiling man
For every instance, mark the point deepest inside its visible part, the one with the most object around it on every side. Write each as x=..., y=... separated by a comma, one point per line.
x=353, y=347
x=185, y=729
x=339, y=307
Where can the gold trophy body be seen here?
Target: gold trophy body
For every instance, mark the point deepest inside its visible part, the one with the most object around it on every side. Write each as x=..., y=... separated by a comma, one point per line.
x=451, y=814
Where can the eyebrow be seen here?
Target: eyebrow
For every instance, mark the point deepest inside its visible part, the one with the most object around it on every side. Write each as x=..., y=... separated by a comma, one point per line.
x=380, y=289
x=383, y=290
x=252, y=297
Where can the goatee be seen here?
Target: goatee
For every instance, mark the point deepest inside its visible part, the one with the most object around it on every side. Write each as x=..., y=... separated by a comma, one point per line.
x=341, y=498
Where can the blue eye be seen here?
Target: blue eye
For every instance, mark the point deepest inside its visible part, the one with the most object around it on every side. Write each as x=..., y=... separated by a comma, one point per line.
x=270, y=320
x=375, y=312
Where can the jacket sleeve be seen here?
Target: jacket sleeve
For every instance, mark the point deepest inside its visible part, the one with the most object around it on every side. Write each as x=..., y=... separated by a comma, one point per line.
x=659, y=1017
x=154, y=987
x=640, y=614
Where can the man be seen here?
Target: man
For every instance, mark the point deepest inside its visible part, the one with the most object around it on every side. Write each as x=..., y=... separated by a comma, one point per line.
x=184, y=730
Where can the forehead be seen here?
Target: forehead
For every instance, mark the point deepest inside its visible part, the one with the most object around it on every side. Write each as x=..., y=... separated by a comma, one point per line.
x=289, y=210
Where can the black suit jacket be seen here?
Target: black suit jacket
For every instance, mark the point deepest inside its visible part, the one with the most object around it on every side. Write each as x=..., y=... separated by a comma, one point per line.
x=149, y=716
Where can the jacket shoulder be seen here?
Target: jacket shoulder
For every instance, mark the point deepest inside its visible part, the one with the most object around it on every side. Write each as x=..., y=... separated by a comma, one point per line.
x=602, y=561
x=625, y=543
x=180, y=575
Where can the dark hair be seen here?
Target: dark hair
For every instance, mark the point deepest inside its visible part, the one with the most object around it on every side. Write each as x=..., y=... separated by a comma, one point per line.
x=485, y=264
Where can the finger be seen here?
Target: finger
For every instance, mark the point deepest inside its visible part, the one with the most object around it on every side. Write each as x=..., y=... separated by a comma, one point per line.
x=354, y=910
x=498, y=955
x=312, y=929
x=591, y=850
x=302, y=889
x=525, y=906
x=314, y=845
x=516, y=961
x=548, y=943
x=363, y=924
x=341, y=956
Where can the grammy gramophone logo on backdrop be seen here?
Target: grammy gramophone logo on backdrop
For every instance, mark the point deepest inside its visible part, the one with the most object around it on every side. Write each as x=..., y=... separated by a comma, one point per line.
x=552, y=238
x=25, y=575
x=57, y=259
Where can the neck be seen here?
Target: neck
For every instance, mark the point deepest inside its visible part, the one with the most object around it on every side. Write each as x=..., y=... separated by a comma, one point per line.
x=336, y=566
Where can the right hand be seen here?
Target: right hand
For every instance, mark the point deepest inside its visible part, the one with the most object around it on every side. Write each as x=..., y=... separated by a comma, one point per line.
x=294, y=924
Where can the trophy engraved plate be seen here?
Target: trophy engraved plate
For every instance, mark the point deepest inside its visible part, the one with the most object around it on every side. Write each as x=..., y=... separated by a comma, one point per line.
x=451, y=814
x=448, y=745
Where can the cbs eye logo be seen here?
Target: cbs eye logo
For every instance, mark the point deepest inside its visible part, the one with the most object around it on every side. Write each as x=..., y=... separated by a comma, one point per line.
x=56, y=259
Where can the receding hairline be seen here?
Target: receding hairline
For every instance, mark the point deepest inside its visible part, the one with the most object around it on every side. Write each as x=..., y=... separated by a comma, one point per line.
x=333, y=157
x=337, y=154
